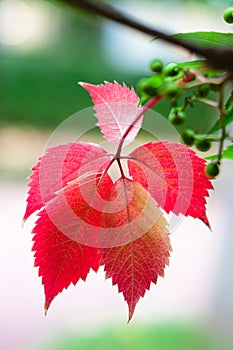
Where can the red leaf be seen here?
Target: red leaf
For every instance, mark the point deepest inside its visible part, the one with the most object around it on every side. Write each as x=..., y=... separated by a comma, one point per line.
x=122, y=220
x=56, y=168
x=65, y=250
x=174, y=175
x=134, y=265
x=61, y=261
x=85, y=220
x=116, y=108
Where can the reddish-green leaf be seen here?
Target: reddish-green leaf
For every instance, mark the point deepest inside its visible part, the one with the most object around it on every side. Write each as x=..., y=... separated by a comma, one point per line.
x=134, y=265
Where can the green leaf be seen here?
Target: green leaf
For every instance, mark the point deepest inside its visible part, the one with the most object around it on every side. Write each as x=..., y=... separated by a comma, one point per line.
x=227, y=115
x=227, y=154
x=208, y=39
x=229, y=102
x=213, y=157
x=200, y=65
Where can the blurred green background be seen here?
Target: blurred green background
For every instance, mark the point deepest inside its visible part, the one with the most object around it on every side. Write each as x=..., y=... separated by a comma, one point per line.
x=39, y=75
x=162, y=337
x=45, y=49
x=39, y=79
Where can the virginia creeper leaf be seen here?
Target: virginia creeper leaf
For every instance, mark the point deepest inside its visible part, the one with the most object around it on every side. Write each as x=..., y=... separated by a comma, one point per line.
x=61, y=252
x=56, y=168
x=134, y=265
x=61, y=261
x=116, y=108
x=86, y=220
x=70, y=231
x=128, y=214
x=174, y=175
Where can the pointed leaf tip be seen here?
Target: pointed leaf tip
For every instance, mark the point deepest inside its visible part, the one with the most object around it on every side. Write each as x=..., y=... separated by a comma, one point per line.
x=46, y=309
x=130, y=315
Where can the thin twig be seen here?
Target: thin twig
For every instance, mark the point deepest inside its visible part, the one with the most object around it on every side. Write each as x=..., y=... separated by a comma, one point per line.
x=221, y=122
x=217, y=57
x=206, y=101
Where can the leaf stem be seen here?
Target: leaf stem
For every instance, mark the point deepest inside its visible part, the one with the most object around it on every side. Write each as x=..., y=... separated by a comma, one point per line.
x=105, y=172
x=117, y=155
x=221, y=122
x=121, y=169
x=207, y=102
x=153, y=101
x=213, y=81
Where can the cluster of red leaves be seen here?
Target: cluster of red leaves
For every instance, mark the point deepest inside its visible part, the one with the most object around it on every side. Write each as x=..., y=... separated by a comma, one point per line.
x=86, y=220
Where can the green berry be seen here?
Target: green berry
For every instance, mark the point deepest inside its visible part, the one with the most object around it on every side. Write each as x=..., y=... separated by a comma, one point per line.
x=156, y=66
x=228, y=15
x=156, y=80
x=176, y=116
x=202, y=144
x=171, y=89
x=148, y=89
x=171, y=70
x=202, y=90
x=188, y=136
x=152, y=86
x=212, y=169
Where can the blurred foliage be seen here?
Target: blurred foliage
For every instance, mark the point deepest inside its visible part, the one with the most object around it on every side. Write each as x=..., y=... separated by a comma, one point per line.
x=163, y=337
x=38, y=86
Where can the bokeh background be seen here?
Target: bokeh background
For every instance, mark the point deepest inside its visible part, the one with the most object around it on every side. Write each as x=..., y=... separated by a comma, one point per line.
x=45, y=49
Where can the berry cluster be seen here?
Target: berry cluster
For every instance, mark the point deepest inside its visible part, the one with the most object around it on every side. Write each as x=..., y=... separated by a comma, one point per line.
x=203, y=144
x=172, y=81
x=165, y=81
